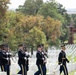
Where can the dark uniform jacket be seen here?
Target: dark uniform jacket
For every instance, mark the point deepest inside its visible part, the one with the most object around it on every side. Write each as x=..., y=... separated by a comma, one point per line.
x=40, y=58
x=0, y=56
x=62, y=58
x=5, y=58
x=23, y=58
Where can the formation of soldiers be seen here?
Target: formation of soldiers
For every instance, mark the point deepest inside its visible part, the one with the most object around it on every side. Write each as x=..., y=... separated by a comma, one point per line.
x=23, y=60
x=5, y=56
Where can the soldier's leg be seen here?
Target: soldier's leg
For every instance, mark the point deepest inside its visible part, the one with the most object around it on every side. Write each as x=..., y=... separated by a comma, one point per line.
x=25, y=69
x=8, y=69
x=65, y=70
x=20, y=72
x=41, y=69
x=61, y=69
x=38, y=72
x=5, y=68
x=2, y=68
x=44, y=69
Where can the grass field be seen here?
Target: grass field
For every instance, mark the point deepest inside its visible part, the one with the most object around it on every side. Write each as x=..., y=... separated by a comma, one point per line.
x=71, y=73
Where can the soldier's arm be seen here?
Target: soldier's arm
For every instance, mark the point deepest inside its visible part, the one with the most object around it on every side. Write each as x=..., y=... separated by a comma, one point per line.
x=27, y=54
x=60, y=58
x=4, y=56
x=1, y=55
x=67, y=60
x=45, y=54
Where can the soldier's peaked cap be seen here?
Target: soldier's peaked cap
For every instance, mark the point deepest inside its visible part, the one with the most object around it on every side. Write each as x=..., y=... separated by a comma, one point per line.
x=5, y=45
x=20, y=45
x=63, y=45
x=38, y=45
x=42, y=45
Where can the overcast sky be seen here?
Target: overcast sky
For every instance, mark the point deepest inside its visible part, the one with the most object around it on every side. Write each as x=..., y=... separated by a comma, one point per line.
x=68, y=4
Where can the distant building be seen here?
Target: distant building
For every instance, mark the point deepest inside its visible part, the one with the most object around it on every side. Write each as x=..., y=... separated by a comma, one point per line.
x=71, y=11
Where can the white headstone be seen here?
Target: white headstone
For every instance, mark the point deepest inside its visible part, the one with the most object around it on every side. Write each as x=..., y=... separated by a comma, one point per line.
x=75, y=73
x=2, y=73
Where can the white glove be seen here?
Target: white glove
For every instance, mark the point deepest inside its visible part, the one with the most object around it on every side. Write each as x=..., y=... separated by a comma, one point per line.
x=42, y=58
x=60, y=64
x=26, y=53
x=7, y=53
x=45, y=61
x=10, y=53
x=42, y=52
x=25, y=58
x=7, y=58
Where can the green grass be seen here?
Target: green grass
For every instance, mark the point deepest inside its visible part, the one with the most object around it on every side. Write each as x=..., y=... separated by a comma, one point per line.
x=72, y=73
x=70, y=58
x=74, y=59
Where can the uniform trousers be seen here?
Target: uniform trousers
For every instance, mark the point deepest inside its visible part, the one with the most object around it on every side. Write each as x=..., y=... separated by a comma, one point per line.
x=41, y=70
x=64, y=69
x=23, y=69
x=6, y=68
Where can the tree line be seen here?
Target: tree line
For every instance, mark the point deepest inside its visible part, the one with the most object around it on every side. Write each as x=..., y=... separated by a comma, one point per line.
x=33, y=23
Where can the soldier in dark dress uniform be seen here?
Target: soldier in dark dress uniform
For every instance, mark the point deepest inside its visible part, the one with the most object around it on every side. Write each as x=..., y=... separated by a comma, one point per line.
x=1, y=66
x=23, y=60
x=5, y=58
x=0, y=58
x=62, y=59
x=40, y=62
